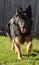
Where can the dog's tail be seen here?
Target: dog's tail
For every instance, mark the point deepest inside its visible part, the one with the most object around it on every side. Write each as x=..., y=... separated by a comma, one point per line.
x=8, y=30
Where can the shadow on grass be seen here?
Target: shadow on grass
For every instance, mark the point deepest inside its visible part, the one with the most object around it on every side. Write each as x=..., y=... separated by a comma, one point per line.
x=37, y=51
x=32, y=54
x=2, y=33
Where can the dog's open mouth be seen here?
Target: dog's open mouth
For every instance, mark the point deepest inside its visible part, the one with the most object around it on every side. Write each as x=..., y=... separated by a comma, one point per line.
x=23, y=30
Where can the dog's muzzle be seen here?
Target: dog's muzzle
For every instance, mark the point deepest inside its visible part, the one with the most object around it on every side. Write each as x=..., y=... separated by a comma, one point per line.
x=23, y=30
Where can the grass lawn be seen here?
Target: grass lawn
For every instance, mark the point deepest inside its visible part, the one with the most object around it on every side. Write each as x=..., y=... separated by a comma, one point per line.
x=8, y=57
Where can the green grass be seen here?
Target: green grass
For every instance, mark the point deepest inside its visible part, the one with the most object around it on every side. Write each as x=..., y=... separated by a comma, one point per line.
x=8, y=57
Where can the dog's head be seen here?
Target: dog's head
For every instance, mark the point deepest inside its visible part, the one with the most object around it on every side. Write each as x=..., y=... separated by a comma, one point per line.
x=22, y=19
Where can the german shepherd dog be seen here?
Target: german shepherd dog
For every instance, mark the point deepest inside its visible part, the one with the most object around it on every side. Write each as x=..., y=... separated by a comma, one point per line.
x=19, y=29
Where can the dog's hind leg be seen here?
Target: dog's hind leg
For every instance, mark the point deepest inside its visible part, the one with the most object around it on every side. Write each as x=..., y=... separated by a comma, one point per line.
x=12, y=45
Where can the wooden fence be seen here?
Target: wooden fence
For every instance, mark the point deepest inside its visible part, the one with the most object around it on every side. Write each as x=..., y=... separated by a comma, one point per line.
x=8, y=7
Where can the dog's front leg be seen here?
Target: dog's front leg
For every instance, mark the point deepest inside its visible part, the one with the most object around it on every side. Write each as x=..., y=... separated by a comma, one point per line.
x=29, y=47
x=29, y=44
x=17, y=50
x=17, y=47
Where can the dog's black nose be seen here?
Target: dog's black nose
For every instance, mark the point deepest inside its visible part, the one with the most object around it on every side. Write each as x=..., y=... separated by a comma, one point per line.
x=23, y=26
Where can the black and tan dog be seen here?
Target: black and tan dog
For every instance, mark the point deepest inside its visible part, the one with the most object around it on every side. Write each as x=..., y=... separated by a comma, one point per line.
x=19, y=30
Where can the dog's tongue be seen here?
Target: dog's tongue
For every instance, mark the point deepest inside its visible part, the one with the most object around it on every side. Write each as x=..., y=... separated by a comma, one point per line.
x=23, y=30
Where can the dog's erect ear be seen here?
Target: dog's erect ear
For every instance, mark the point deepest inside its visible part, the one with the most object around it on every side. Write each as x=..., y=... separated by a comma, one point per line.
x=29, y=10
x=18, y=10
